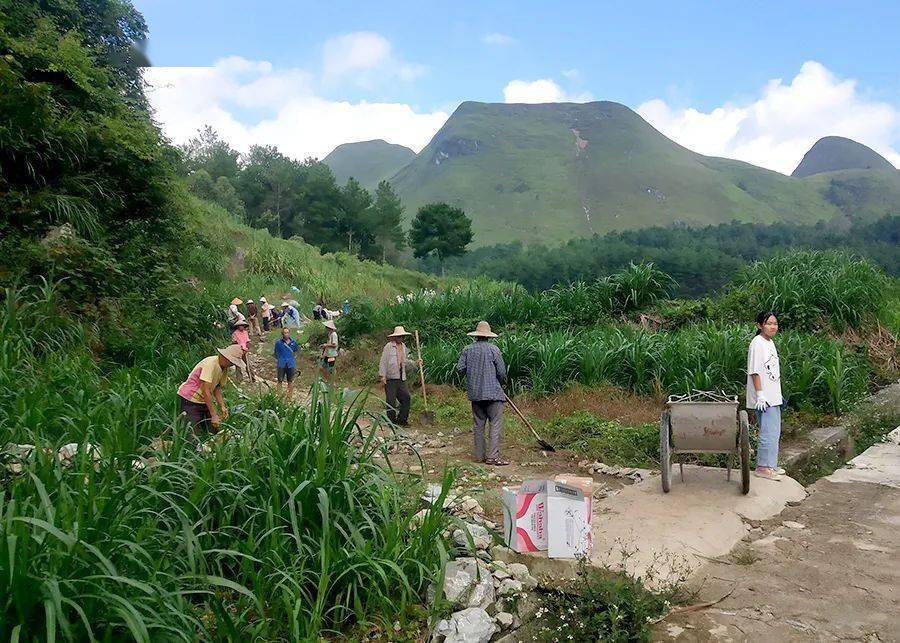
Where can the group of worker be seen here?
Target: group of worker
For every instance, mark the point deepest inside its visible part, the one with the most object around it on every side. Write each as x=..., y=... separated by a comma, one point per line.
x=485, y=372
x=482, y=364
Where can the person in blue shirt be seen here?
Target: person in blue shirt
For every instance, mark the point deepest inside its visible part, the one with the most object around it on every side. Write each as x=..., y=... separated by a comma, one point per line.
x=285, y=349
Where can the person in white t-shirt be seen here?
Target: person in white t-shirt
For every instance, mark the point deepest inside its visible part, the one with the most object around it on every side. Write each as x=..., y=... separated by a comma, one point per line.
x=764, y=394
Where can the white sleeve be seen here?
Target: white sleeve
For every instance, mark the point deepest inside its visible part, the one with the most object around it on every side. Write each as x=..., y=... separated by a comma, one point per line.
x=756, y=359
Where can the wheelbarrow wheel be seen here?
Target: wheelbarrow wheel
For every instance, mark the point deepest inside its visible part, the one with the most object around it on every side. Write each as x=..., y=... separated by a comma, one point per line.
x=665, y=451
x=745, y=453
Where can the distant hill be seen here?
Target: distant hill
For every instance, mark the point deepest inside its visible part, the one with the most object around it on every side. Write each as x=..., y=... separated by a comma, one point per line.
x=556, y=171
x=862, y=195
x=834, y=153
x=367, y=161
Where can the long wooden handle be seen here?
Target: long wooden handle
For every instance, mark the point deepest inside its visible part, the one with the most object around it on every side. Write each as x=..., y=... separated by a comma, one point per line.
x=522, y=416
x=421, y=371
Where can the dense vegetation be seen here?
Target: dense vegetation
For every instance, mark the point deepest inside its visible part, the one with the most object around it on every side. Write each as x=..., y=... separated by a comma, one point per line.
x=701, y=260
x=581, y=332
x=112, y=277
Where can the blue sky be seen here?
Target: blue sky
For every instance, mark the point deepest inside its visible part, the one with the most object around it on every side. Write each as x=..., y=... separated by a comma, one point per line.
x=688, y=55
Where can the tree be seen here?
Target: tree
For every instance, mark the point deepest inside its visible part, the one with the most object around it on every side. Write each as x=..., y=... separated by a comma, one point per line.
x=387, y=215
x=207, y=151
x=441, y=229
x=355, y=222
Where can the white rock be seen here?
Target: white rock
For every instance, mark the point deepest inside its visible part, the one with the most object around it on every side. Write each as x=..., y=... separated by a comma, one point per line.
x=509, y=586
x=504, y=619
x=416, y=521
x=481, y=537
x=468, y=583
x=501, y=574
x=518, y=570
x=472, y=625
x=790, y=524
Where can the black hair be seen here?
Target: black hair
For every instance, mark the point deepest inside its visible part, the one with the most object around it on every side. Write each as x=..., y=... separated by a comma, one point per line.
x=762, y=318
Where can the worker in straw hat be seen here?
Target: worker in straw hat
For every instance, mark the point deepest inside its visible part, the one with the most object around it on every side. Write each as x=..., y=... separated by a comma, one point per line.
x=392, y=370
x=202, y=389
x=234, y=315
x=329, y=351
x=482, y=364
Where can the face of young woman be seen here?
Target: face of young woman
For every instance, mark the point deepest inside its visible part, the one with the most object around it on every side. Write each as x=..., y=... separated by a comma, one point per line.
x=769, y=327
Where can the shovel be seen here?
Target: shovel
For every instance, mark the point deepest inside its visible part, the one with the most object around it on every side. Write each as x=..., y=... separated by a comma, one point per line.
x=426, y=417
x=546, y=446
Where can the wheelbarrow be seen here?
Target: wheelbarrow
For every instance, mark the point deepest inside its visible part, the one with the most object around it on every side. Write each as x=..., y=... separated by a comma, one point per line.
x=704, y=422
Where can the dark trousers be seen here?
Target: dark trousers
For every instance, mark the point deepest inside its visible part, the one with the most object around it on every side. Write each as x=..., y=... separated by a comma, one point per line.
x=484, y=411
x=197, y=415
x=397, y=395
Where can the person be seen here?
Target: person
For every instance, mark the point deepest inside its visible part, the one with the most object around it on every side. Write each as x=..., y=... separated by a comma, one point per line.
x=253, y=318
x=392, y=373
x=286, y=364
x=329, y=351
x=202, y=389
x=290, y=316
x=266, y=313
x=277, y=314
x=241, y=337
x=345, y=307
x=764, y=394
x=318, y=312
x=482, y=364
x=234, y=315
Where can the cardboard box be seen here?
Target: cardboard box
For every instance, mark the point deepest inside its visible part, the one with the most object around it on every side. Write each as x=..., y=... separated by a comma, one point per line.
x=525, y=516
x=569, y=518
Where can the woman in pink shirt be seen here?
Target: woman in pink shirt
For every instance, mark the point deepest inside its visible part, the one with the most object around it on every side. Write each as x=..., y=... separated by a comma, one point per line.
x=241, y=337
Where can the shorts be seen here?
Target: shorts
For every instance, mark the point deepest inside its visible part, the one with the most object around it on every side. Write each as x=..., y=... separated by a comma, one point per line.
x=328, y=363
x=286, y=373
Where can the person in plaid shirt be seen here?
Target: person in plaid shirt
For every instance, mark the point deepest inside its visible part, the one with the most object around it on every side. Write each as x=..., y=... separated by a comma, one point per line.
x=482, y=364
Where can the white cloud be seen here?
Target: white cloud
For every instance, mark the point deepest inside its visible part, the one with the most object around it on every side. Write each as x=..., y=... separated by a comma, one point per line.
x=497, y=39
x=776, y=129
x=365, y=58
x=571, y=74
x=291, y=115
x=543, y=90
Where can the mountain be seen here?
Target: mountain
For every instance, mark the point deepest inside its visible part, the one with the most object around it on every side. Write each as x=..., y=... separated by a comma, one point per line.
x=548, y=173
x=834, y=153
x=367, y=161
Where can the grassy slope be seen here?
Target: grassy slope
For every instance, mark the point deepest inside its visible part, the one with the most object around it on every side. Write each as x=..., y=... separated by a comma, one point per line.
x=517, y=170
x=834, y=153
x=271, y=265
x=865, y=195
x=367, y=161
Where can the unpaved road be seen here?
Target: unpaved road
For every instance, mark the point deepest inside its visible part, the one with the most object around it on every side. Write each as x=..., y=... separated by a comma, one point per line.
x=831, y=573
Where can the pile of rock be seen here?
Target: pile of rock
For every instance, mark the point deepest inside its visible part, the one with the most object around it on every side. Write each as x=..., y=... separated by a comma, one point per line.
x=489, y=596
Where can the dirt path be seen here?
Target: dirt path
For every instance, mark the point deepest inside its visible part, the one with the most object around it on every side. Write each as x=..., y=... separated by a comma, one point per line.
x=825, y=570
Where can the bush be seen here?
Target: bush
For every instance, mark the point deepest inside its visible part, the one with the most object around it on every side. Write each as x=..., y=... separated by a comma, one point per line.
x=809, y=289
x=606, y=440
x=602, y=605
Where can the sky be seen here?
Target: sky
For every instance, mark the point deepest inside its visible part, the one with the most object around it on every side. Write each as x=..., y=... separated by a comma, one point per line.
x=760, y=81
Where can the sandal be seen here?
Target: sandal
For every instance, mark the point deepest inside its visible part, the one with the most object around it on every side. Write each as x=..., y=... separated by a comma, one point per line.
x=779, y=471
x=768, y=474
x=499, y=462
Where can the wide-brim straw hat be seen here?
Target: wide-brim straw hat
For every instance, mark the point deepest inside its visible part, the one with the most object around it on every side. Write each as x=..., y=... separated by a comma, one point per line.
x=284, y=303
x=264, y=300
x=399, y=331
x=241, y=322
x=330, y=324
x=483, y=329
x=234, y=354
x=236, y=301
x=249, y=301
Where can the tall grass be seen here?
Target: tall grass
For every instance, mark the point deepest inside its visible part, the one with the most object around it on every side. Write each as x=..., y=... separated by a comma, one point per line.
x=295, y=527
x=810, y=289
x=817, y=372
x=457, y=310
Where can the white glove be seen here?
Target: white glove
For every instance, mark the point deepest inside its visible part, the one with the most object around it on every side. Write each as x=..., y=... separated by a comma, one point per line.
x=761, y=402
